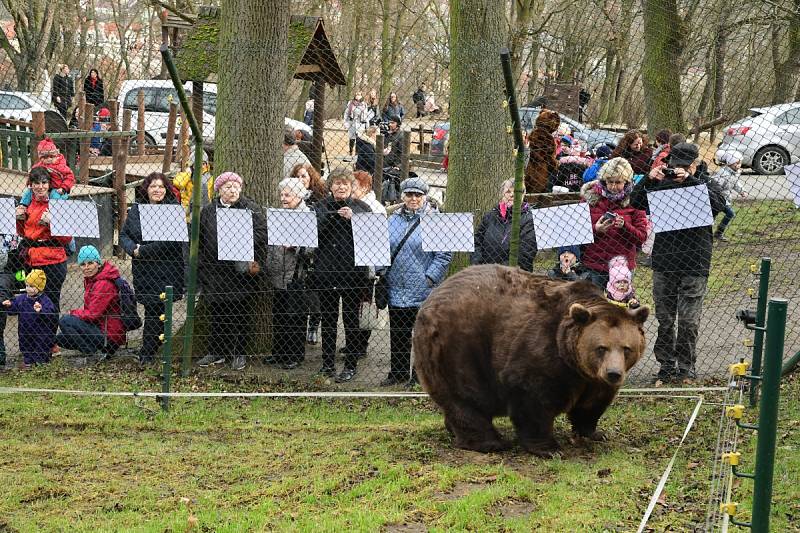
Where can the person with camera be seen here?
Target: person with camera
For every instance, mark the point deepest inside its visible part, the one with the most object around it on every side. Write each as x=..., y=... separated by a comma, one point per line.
x=393, y=151
x=681, y=261
x=619, y=228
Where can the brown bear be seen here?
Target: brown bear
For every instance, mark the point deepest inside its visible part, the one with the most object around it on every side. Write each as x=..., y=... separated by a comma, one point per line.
x=494, y=341
x=542, y=161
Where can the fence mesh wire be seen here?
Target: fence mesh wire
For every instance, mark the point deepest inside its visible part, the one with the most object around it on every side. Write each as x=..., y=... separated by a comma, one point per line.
x=288, y=263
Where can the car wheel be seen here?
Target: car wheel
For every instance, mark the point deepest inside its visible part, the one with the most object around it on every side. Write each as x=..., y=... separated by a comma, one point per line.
x=770, y=160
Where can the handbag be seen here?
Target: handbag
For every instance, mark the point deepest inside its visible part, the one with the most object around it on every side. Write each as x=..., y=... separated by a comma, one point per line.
x=381, y=289
x=297, y=283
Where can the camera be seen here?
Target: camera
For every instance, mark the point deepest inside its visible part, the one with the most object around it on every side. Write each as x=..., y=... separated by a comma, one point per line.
x=746, y=316
x=669, y=173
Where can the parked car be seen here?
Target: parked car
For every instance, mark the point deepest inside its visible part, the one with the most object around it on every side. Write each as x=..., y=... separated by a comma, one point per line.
x=768, y=139
x=588, y=136
x=158, y=94
x=20, y=106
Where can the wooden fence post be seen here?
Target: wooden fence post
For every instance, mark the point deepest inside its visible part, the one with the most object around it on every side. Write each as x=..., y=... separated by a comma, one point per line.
x=88, y=122
x=140, y=124
x=37, y=121
x=173, y=117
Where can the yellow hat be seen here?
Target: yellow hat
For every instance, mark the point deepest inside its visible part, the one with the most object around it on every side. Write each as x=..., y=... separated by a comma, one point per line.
x=36, y=278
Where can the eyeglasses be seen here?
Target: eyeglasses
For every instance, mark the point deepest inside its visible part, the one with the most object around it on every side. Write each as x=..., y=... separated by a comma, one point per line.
x=413, y=193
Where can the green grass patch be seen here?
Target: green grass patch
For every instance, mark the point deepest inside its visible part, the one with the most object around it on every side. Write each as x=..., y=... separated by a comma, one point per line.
x=120, y=464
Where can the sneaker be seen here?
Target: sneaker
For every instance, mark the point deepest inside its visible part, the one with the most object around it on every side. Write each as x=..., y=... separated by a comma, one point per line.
x=210, y=359
x=95, y=359
x=238, y=363
x=720, y=237
x=312, y=337
x=346, y=375
x=145, y=359
x=327, y=371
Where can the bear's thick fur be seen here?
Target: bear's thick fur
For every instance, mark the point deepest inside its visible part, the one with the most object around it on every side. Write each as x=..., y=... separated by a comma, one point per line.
x=494, y=341
x=542, y=160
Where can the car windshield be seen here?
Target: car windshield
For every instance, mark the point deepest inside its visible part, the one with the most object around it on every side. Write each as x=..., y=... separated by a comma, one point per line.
x=210, y=103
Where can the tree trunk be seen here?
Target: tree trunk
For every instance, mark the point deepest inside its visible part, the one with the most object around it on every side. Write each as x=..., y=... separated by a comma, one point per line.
x=480, y=148
x=661, y=73
x=252, y=92
x=786, y=71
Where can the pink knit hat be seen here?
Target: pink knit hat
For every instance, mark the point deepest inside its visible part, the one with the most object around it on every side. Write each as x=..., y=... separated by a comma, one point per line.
x=224, y=178
x=618, y=270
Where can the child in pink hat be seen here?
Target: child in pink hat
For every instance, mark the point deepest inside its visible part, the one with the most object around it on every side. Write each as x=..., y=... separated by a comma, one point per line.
x=620, y=287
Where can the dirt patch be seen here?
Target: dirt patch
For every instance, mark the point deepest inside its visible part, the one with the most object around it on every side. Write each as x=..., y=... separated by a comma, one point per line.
x=406, y=527
x=514, y=509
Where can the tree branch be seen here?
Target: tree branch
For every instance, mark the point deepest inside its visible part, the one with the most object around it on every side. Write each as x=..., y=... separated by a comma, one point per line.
x=174, y=11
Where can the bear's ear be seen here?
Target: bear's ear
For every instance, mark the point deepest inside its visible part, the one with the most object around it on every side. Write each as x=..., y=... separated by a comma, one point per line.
x=640, y=314
x=580, y=314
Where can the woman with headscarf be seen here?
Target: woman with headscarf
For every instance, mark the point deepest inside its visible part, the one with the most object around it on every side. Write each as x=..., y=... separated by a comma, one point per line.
x=156, y=264
x=619, y=228
x=230, y=288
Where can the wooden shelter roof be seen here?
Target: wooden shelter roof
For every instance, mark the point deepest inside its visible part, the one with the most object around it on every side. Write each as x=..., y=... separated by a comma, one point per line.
x=310, y=55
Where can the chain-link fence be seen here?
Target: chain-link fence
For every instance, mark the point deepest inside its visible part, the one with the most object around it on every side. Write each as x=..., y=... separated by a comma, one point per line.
x=314, y=276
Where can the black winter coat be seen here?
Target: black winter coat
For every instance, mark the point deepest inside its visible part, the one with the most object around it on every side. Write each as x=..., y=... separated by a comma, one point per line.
x=493, y=239
x=685, y=251
x=365, y=151
x=334, y=260
x=224, y=281
x=160, y=263
x=94, y=94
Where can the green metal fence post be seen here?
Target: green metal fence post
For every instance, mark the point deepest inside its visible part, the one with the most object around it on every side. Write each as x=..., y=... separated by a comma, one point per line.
x=167, y=349
x=519, y=160
x=194, y=240
x=790, y=364
x=758, y=338
x=768, y=415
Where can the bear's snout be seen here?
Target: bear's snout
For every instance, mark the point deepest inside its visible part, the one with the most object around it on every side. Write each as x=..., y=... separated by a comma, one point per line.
x=614, y=376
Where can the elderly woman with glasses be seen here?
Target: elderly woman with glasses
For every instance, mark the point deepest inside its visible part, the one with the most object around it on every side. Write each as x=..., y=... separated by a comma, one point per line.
x=411, y=277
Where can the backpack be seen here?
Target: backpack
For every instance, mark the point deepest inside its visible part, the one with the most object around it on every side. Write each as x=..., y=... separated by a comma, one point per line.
x=129, y=314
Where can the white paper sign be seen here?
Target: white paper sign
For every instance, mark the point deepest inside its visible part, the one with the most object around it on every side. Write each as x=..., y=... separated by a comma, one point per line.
x=447, y=232
x=163, y=222
x=8, y=221
x=289, y=227
x=682, y=208
x=74, y=218
x=793, y=177
x=371, y=239
x=563, y=225
x=235, y=235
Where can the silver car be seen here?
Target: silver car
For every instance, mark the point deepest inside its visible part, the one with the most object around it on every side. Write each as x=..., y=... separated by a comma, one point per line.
x=768, y=139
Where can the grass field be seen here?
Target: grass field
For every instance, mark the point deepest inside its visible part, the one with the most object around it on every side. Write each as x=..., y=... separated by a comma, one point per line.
x=120, y=464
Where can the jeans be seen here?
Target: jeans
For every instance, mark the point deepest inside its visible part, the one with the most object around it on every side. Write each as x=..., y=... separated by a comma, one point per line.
x=401, y=325
x=3, y=317
x=729, y=213
x=677, y=296
x=79, y=335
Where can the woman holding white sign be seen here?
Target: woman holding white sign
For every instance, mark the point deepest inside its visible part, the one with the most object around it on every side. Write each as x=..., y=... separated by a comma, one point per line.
x=38, y=247
x=619, y=228
x=156, y=264
x=286, y=269
x=230, y=287
x=412, y=276
x=337, y=278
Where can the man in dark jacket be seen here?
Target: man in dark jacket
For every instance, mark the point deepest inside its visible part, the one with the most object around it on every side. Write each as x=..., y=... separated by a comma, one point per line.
x=419, y=97
x=681, y=261
x=393, y=151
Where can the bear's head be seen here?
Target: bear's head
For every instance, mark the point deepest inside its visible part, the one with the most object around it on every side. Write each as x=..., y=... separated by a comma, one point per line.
x=548, y=120
x=608, y=340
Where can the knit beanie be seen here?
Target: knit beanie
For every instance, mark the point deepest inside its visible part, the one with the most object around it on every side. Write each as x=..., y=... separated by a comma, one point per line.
x=224, y=178
x=88, y=254
x=36, y=278
x=47, y=147
x=617, y=271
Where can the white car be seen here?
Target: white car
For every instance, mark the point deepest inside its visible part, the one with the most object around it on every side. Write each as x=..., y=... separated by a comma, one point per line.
x=768, y=139
x=158, y=94
x=20, y=106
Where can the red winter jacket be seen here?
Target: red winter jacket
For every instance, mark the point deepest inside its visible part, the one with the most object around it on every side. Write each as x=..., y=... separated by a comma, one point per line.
x=101, y=303
x=616, y=241
x=43, y=248
x=61, y=176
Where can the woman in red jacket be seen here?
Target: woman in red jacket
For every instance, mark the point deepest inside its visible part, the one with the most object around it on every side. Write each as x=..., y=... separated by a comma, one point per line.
x=619, y=229
x=95, y=329
x=39, y=248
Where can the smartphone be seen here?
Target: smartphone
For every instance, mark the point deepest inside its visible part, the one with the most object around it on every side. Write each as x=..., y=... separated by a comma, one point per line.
x=608, y=216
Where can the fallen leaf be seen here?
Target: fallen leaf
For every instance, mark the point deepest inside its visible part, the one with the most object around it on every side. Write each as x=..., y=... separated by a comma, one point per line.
x=662, y=498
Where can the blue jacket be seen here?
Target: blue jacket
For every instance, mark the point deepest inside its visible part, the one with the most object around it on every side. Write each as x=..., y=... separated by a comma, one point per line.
x=591, y=173
x=412, y=268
